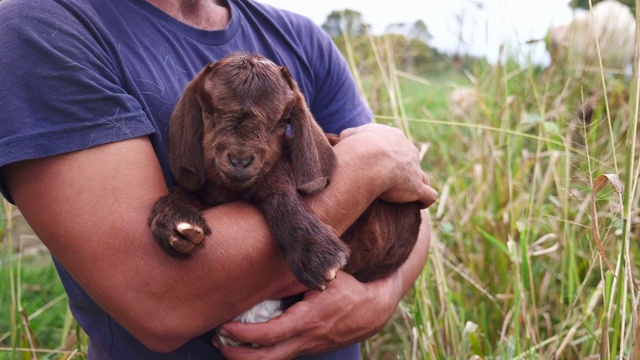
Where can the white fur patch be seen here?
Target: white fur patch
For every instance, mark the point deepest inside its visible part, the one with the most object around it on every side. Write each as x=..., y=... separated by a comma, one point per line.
x=262, y=312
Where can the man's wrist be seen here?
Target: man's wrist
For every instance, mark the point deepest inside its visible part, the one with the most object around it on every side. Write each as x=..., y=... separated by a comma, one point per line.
x=367, y=162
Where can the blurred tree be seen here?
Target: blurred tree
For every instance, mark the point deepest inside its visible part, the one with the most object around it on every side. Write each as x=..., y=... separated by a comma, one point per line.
x=402, y=46
x=418, y=31
x=344, y=21
x=409, y=46
x=584, y=4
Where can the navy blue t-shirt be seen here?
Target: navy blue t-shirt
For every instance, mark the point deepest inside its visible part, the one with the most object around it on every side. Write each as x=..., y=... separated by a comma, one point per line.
x=80, y=73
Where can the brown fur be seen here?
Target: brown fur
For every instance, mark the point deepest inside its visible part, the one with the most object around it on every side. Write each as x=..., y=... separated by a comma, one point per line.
x=228, y=141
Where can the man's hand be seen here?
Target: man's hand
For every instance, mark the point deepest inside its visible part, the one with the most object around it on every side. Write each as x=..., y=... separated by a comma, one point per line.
x=348, y=311
x=315, y=324
x=388, y=148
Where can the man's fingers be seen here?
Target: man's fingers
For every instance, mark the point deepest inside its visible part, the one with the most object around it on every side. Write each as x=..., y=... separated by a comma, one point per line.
x=284, y=350
x=430, y=195
x=271, y=332
x=277, y=339
x=430, y=198
x=425, y=178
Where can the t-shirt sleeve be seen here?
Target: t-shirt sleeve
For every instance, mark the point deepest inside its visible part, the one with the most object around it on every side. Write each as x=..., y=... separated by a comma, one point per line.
x=337, y=103
x=60, y=86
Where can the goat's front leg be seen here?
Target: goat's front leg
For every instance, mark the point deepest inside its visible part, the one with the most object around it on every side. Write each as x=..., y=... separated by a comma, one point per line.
x=177, y=224
x=313, y=249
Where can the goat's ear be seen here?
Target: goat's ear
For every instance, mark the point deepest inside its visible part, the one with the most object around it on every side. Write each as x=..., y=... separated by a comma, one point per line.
x=312, y=156
x=185, y=136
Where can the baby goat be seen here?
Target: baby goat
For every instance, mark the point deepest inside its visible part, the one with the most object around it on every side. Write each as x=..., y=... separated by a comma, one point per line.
x=242, y=131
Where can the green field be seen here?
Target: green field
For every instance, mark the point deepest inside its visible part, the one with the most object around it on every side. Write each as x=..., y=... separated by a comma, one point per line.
x=535, y=232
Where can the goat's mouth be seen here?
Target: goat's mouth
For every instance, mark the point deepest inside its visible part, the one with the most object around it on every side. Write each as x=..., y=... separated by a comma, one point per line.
x=238, y=170
x=238, y=179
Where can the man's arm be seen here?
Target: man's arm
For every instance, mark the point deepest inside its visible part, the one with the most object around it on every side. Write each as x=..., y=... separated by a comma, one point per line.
x=90, y=209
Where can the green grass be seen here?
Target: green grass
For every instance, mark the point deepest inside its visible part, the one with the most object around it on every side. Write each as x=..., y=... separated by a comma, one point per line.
x=515, y=270
x=516, y=267
x=35, y=321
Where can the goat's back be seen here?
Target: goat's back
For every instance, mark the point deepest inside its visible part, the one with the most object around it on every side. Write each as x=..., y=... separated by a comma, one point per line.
x=382, y=239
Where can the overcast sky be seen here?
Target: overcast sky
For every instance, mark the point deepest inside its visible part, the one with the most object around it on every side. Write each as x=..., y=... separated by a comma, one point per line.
x=485, y=28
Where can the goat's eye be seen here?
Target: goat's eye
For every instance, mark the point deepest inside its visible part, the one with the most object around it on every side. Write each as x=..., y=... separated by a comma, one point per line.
x=288, y=129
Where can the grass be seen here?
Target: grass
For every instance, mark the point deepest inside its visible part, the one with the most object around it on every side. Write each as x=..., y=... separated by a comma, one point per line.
x=535, y=232
x=35, y=322
x=536, y=226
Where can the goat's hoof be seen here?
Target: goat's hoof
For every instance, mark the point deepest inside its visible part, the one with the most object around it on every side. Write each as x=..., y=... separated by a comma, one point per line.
x=179, y=237
x=332, y=274
x=193, y=233
x=227, y=341
x=182, y=246
x=322, y=270
x=190, y=237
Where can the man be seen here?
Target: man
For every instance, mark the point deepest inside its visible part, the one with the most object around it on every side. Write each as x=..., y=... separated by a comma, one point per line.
x=88, y=87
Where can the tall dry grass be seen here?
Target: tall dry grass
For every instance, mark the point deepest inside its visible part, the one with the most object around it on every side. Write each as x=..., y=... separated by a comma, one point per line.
x=535, y=232
x=536, y=228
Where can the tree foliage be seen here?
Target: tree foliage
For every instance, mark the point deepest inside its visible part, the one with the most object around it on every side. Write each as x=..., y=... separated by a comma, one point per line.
x=418, y=31
x=346, y=21
x=409, y=46
x=406, y=44
x=584, y=4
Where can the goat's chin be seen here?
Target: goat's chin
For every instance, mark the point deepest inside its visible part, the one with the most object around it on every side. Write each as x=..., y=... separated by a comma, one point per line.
x=238, y=183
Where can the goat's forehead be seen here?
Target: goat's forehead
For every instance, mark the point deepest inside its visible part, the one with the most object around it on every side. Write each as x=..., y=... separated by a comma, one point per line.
x=243, y=120
x=267, y=105
x=252, y=63
x=263, y=61
x=258, y=93
x=253, y=84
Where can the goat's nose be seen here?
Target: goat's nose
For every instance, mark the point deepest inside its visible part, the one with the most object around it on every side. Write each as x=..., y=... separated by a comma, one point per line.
x=240, y=161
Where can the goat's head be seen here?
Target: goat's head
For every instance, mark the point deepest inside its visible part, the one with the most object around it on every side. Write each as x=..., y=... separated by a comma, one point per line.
x=231, y=125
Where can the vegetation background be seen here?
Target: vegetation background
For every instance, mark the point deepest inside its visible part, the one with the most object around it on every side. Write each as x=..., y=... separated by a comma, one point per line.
x=535, y=232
